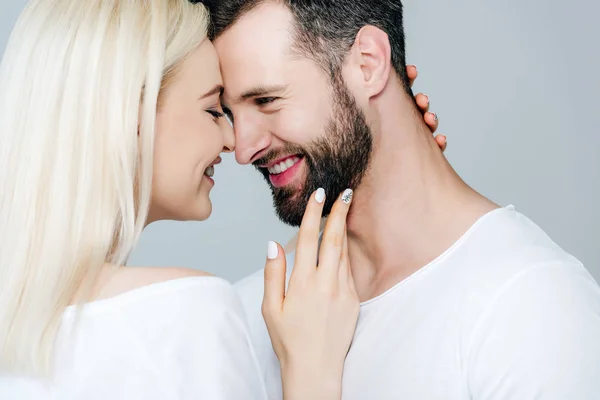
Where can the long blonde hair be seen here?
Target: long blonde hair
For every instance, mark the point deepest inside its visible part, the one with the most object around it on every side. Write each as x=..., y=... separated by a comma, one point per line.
x=79, y=87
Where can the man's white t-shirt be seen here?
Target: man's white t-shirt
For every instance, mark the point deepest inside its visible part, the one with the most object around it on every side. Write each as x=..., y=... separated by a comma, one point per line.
x=504, y=314
x=184, y=339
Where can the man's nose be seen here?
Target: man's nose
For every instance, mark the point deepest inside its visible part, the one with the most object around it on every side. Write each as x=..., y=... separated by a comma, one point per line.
x=228, y=137
x=251, y=140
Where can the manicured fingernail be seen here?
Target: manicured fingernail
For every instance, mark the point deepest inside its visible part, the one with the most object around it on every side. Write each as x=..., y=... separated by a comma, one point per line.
x=435, y=117
x=426, y=98
x=272, y=251
x=347, y=196
x=320, y=195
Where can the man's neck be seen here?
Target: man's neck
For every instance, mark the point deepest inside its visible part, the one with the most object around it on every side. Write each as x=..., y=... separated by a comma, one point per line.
x=410, y=207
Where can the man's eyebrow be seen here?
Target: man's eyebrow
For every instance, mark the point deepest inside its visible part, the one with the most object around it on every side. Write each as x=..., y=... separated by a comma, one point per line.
x=260, y=91
x=218, y=89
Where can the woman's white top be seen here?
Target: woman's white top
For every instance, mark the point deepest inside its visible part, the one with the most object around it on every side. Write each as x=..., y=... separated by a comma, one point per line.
x=182, y=339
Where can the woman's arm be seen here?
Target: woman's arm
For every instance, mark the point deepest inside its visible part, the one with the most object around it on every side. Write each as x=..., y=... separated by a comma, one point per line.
x=312, y=323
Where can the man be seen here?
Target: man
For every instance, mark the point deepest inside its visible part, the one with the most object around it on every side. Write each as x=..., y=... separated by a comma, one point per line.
x=462, y=298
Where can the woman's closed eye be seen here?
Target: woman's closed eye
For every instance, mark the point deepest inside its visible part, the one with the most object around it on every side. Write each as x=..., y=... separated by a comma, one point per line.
x=215, y=113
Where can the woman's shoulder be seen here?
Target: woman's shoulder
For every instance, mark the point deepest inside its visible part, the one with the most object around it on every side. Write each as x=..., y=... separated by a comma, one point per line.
x=177, y=325
x=161, y=289
x=124, y=279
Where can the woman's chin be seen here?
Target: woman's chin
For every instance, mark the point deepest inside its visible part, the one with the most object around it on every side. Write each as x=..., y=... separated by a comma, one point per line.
x=199, y=210
x=204, y=210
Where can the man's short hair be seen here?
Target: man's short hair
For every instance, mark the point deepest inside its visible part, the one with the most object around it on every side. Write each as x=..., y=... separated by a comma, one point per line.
x=325, y=30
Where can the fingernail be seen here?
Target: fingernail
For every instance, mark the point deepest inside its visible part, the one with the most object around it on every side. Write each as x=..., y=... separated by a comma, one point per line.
x=347, y=196
x=435, y=117
x=426, y=98
x=320, y=195
x=272, y=251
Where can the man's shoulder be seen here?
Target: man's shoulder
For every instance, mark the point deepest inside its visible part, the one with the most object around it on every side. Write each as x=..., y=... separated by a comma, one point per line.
x=545, y=317
x=504, y=258
x=507, y=242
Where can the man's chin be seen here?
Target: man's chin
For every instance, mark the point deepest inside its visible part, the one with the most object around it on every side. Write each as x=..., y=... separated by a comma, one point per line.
x=290, y=206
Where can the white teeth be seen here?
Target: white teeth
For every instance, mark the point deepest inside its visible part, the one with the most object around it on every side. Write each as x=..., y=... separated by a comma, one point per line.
x=210, y=171
x=283, y=166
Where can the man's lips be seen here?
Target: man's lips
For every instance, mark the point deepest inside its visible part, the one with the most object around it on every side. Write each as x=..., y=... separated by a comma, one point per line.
x=278, y=161
x=285, y=171
x=283, y=164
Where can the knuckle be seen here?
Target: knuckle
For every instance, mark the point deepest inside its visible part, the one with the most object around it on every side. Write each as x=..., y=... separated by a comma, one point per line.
x=306, y=243
x=333, y=239
x=267, y=310
x=265, y=314
x=351, y=299
x=337, y=241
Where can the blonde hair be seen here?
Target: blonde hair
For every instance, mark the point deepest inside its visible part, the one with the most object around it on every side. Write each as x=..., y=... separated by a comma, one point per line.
x=78, y=81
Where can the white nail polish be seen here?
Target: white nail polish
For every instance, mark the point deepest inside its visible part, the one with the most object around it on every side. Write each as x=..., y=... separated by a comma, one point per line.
x=272, y=251
x=320, y=195
x=347, y=196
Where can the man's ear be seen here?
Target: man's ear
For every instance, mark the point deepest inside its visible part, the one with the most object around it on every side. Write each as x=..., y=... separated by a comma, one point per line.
x=372, y=46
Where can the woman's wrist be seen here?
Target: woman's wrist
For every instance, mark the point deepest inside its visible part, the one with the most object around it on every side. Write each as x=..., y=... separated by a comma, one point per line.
x=303, y=381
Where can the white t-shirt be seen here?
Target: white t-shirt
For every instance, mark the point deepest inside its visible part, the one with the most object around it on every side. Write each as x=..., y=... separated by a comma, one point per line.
x=184, y=339
x=504, y=314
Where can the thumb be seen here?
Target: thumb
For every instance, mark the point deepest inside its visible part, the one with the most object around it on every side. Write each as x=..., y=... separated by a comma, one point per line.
x=274, y=278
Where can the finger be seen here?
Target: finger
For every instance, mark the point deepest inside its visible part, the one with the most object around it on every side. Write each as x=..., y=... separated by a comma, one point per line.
x=423, y=102
x=307, y=246
x=352, y=285
x=432, y=121
x=275, y=269
x=442, y=142
x=411, y=72
x=333, y=240
x=344, y=275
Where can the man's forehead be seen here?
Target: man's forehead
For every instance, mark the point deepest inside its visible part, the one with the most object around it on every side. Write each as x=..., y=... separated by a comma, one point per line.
x=253, y=53
x=269, y=21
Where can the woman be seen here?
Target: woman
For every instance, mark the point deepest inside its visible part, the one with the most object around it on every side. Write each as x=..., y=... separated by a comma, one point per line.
x=109, y=120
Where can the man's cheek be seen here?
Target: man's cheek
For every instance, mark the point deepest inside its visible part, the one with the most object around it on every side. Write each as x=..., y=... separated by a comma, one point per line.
x=297, y=130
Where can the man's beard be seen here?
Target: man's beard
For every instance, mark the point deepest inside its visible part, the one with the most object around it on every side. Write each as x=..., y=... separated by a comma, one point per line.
x=335, y=162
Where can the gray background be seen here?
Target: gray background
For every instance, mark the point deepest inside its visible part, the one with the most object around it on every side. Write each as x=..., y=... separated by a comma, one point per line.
x=516, y=86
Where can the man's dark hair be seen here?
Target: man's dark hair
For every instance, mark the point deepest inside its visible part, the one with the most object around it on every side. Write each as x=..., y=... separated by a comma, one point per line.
x=325, y=30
